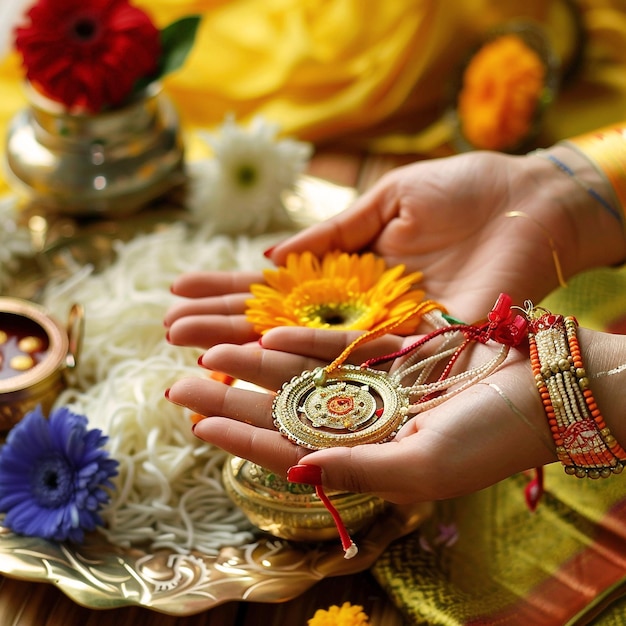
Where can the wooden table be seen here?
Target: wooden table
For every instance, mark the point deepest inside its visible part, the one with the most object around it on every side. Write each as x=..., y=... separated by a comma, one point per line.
x=25, y=603
x=37, y=604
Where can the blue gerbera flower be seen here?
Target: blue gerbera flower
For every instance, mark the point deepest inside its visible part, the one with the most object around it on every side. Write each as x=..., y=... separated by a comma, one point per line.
x=53, y=475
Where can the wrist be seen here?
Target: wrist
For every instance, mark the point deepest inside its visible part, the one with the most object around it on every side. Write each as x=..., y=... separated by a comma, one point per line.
x=605, y=356
x=585, y=223
x=606, y=150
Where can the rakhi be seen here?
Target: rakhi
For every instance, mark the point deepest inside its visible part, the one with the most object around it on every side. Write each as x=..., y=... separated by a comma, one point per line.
x=348, y=405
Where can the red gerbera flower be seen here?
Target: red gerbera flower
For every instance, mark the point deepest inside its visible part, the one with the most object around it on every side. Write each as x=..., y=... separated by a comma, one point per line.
x=88, y=53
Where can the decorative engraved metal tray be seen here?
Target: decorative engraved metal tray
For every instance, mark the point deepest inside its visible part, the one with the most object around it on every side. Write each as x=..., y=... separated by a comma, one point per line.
x=100, y=575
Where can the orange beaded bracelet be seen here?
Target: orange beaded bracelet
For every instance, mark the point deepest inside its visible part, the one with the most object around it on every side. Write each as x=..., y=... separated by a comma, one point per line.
x=584, y=444
x=606, y=148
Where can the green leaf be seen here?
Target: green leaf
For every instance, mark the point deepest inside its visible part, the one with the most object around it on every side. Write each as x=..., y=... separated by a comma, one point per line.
x=177, y=39
x=176, y=42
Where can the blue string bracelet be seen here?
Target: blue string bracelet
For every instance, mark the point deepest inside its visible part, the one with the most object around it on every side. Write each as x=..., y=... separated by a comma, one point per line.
x=590, y=190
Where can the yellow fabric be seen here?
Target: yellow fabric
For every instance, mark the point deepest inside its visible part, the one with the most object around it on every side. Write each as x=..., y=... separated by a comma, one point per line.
x=559, y=566
x=377, y=71
x=325, y=69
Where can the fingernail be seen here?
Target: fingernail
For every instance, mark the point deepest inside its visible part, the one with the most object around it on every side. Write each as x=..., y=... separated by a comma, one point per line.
x=220, y=377
x=167, y=393
x=307, y=474
x=196, y=418
x=268, y=253
x=167, y=336
x=200, y=360
x=261, y=341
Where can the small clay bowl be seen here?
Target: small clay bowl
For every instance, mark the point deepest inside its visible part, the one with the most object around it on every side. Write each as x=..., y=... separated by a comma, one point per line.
x=36, y=355
x=293, y=511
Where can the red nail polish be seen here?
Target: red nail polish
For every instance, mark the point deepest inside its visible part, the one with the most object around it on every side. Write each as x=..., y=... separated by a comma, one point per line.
x=268, y=253
x=167, y=336
x=307, y=474
x=200, y=360
x=167, y=393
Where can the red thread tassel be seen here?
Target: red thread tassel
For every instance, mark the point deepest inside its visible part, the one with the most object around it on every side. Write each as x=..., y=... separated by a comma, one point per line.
x=310, y=474
x=534, y=490
x=349, y=547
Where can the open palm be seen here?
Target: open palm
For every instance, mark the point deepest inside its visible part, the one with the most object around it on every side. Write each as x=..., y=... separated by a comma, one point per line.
x=451, y=218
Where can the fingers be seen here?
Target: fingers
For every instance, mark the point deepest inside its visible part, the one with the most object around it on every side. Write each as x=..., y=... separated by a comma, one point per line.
x=380, y=469
x=214, y=311
x=402, y=471
x=386, y=470
x=241, y=424
x=349, y=231
x=206, y=331
x=268, y=369
x=264, y=447
x=209, y=397
x=234, y=304
x=203, y=284
x=287, y=352
x=326, y=345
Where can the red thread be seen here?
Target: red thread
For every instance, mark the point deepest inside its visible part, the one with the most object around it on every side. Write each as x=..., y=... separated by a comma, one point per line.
x=534, y=490
x=349, y=547
x=502, y=326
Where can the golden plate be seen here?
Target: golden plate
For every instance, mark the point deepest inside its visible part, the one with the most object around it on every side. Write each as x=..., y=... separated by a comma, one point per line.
x=100, y=575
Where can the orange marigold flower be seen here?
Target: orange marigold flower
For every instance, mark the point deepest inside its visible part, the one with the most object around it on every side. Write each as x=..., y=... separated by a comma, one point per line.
x=503, y=86
x=345, y=615
x=341, y=292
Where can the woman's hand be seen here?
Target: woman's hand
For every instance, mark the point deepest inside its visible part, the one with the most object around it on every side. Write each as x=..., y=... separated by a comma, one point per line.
x=213, y=310
x=472, y=440
x=444, y=217
x=477, y=225
x=450, y=218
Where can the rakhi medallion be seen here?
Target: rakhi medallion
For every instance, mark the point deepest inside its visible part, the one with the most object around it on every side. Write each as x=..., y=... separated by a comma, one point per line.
x=351, y=406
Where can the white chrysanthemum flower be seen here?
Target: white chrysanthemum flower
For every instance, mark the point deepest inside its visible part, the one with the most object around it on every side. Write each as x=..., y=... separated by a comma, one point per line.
x=15, y=241
x=11, y=15
x=253, y=169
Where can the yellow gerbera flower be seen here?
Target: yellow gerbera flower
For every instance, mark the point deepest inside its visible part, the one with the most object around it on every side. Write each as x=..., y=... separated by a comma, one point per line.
x=341, y=291
x=346, y=615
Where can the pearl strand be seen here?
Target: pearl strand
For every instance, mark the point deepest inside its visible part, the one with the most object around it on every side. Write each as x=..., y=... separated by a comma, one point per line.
x=452, y=385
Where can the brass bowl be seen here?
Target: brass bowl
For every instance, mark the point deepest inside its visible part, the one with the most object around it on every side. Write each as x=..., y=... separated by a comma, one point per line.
x=107, y=164
x=293, y=511
x=35, y=372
